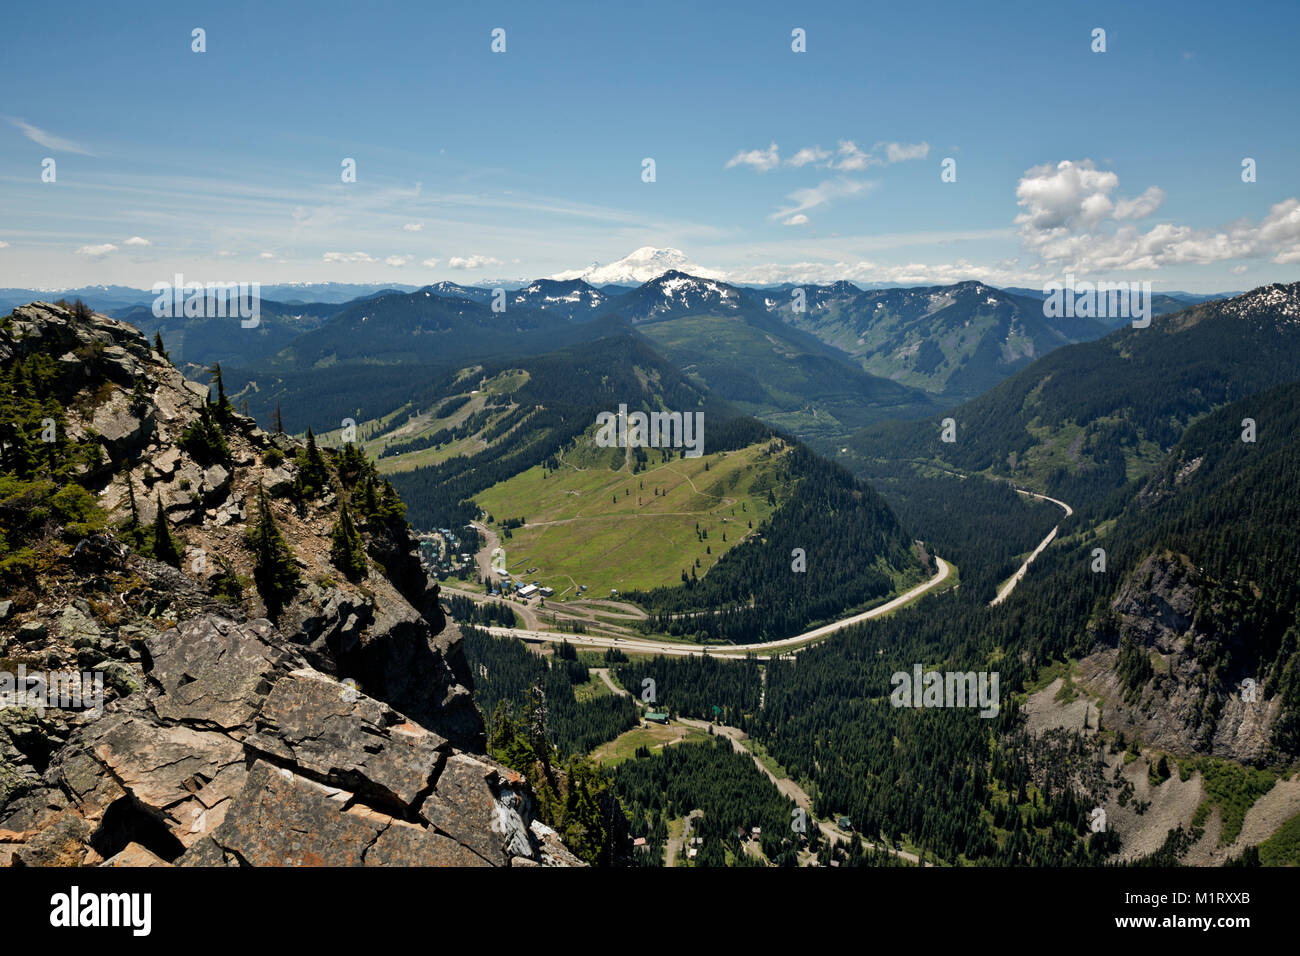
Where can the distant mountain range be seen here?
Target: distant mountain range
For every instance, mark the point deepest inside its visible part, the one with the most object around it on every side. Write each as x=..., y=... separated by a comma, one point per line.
x=820, y=361
x=955, y=341
x=1089, y=417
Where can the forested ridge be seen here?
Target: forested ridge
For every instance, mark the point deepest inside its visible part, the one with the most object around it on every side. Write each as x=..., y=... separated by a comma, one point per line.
x=982, y=526
x=1131, y=393
x=564, y=393
x=832, y=544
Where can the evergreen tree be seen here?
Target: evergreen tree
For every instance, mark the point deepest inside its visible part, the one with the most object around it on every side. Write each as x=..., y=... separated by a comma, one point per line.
x=225, y=411
x=165, y=547
x=158, y=345
x=132, y=532
x=313, y=473
x=346, y=549
x=274, y=571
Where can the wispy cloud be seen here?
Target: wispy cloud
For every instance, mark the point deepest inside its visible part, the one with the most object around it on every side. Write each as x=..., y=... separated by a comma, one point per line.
x=846, y=157
x=473, y=262
x=813, y=196
x=97, y=252
x=348, y=257
x=759, y=159
x=47, y=139
x=901, y=152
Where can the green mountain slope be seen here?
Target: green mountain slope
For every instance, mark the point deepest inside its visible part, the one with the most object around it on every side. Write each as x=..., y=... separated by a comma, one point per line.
x=1086, y=418
x=953, y=341
x=727, y=341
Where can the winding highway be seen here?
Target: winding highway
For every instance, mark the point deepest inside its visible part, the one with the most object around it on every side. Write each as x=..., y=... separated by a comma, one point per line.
x=1015, y=579
x=762, y=651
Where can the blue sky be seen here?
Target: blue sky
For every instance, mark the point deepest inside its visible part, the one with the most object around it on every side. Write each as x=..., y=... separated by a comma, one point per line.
x=474, y=166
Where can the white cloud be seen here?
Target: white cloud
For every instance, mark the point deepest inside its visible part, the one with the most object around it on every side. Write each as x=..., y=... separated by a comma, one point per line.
x=1063, y=196
x=813, y=196
x=901, y=152
x=397, y=261
x=1141, y=207
x=48, y=140
x=760, y=159
x=809, y=154
x=473, y=262
x=348, y=257
x=849, y=157
x=266, y=255
x=137, y=241
x=3, y=244
x=97, y=252
x=799, y=219
x=1070, y=219
x=413, y=226
x=430, y=263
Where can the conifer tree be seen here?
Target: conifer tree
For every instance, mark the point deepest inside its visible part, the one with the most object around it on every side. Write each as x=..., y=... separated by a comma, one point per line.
x=136, y=536
x=312, y=468
x=225, y=411
x=346, y=549
x=274, y=570
x=165, y=547
x=158, y=345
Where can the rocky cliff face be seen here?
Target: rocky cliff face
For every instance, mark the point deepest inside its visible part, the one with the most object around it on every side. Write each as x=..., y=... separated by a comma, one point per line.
x=1180, y=705
x=344, y=733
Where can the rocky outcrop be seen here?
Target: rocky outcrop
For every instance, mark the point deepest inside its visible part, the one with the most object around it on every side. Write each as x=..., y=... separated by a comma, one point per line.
x=344, y=733
x=240, y=753
x=1182, y=707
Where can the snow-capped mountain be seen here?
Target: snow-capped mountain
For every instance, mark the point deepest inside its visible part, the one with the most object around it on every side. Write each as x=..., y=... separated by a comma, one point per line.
x=573, y=298
x=453, y=290
x=676, y=293
x=641, y=266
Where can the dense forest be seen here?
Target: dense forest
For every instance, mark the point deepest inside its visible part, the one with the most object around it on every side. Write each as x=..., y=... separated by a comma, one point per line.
x=976, y=790
x=713, y=778
x=504, y=670
x=376, y=354
x=983, y=527
x=694, y=686
x=487, y=613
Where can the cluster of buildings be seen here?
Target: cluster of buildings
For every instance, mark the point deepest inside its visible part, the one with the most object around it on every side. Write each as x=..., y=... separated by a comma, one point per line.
x=440, y=552
x=511, y=587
